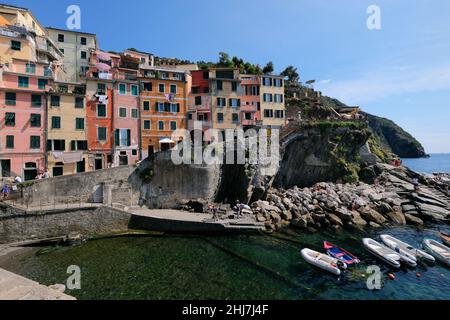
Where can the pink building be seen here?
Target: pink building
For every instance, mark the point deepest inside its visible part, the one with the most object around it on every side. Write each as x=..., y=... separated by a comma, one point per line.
x=23, y=118
x=126, y=113
x=250, y=100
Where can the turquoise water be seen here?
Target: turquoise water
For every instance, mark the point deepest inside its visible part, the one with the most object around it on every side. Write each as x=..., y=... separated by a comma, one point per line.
x=438, y=162
x=228, y=267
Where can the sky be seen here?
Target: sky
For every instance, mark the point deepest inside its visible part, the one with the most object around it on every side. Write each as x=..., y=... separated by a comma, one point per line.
x=401, y=71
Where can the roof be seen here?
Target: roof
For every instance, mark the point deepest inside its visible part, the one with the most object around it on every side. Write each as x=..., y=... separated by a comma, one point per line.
x=13, y=7
x=71, y=31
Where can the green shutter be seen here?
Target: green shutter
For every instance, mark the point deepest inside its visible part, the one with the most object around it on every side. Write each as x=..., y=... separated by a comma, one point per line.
x=117, y=137
x=128, y=137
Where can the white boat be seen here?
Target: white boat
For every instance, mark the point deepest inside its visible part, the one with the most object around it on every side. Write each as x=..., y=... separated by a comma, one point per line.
x=382, y=252
x=438, y=250
x=323, y=261
x=406, y=250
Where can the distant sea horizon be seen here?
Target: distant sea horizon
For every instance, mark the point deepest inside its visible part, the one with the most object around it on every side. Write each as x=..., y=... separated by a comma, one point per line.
x=436, y=163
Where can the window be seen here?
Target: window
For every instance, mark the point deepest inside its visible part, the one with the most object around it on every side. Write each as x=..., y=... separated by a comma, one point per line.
x=101, y=88
x=146, y=105
x=278, y=98
x=31, y=68
x=16, y=45
x=161, y=88
x=9, y=142
x=267, y=97
x=83, y=55
x=147, y=124
x=147, y=86
x=83, y=41
x=278, y=82
x=220, y=117
x=123, y=112
x=234, y=86
x=195, y=90
x=56, y=122
x=42, y=83
x=268, y=113
x=101, y=134
x=198, y=100
x=205, y=75
x=35, y=142
x=134, y=113
x=78, y=145
x=161, y=125
x=62, y=50
x=79, y=123
x=248, y=116
x=10, y=98
x=23, y=82
x=55, y=101
x=56, y=145
x=36, y=100
x=174, y=107
x=267, y=82
x=279, y=114
x=160, y=107
x=101, y=111
x=35, y=120
x=122, y=89
x=235, y=103
x=79, y=102
x=10, y=119
x=134, y=90
x=142, y=60
x=173, y=88
x=219, y=85
x=122, y=137
x=134, y=152
x=221, y=102
x=235, y=117
x=60, y=37
x=173, y=125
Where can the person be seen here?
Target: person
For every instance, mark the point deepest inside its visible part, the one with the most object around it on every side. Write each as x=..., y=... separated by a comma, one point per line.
x=239, y=208
x=5, y=191
x=415, y=183
x=18, y=179
x=46, y=174
x=214, y=212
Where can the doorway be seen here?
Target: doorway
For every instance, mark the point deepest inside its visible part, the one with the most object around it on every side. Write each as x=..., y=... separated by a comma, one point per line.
x=123, y=158
x=58, y=169
x=5, y=168
x=30, y=171
x=151, y=150
x=98, y=163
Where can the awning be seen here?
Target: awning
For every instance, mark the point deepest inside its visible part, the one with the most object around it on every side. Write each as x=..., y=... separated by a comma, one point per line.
x=72, y=157
x=166, y=140
x=103, y=56
x=102, y=66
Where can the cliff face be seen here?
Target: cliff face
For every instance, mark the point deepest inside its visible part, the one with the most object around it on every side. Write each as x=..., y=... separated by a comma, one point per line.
x=394, y=138
x=324, y=151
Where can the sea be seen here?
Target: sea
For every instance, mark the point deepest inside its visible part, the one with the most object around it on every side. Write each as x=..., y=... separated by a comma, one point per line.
x=436, y=163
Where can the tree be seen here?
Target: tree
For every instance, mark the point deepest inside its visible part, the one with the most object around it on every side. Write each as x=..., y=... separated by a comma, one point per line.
x=291, y=73
x=224, y=60
x=268, y=69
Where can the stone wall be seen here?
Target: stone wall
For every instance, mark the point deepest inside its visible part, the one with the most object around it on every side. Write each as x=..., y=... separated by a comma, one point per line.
x=18, y=225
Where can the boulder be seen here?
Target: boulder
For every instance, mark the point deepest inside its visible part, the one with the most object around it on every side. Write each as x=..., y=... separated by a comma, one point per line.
x=357, y=221
x=370, y=214
x=300, y=223
x=374, y=225
x=410, y=219
x=276, y=218
x=335, y=220
x=344, y=214
x=397, y=217
x=286, y=215
x=384, y=208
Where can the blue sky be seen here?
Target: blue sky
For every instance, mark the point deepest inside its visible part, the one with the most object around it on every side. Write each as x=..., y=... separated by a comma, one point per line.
x=401, y=72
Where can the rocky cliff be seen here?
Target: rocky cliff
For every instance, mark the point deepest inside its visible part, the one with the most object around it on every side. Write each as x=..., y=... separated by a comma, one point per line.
x=394, y=138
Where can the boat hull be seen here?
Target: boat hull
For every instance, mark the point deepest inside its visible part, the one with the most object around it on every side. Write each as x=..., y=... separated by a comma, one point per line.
x=438, y=250
x=321, y=261
x=389, y=257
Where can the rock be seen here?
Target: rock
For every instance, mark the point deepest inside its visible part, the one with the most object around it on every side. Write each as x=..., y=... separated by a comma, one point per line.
x=374, y=225
x=300, y=223
x=274, y=198
x=384, y=208
x=270, y=226
x=433, y=212
x=264, y=205
x=357, y=221
x=286, y=215
x=335, y=220
x=276, y=218
x=369, y=214
x=397, y=217
x=410, y=219
x=260, y=218
x=285, y=224
x=245, y=211
x=280, y=206
x=319, y=217
x=375, y=197
x=408, y=207
x=344, y=214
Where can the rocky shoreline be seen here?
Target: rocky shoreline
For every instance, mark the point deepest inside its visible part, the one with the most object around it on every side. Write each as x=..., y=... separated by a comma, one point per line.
x=391, y=199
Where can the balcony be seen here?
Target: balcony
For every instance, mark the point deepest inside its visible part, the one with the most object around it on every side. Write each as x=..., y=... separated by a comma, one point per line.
x=44, y=46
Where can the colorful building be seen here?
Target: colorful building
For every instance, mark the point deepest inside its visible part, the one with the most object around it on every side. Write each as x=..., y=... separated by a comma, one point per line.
x=199, y=101
x=272, y=101
x=28, y=66
x=76, y=47
x=67, y=136
x=250, y=101
x=163, y=97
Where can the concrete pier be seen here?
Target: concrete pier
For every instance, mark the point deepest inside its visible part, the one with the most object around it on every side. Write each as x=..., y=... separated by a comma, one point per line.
x=15, y=287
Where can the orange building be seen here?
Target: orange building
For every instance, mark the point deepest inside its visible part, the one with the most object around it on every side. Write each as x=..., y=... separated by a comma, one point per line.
x=164, y=97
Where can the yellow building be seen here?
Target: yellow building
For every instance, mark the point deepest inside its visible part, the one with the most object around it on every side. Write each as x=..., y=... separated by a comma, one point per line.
x=67, y=132
x=272, y=101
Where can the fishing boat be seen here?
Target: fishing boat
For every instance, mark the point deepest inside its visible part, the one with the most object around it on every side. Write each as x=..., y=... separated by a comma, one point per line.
x=382, y=252
x=445, y=238
x=406, y=250
x=340, y=254
x=438, y=250
x=323, y=261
